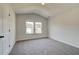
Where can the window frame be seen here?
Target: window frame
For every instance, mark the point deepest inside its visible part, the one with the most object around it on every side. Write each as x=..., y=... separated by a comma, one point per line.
x=40, y=28
x=26, y=28
x=34, y=27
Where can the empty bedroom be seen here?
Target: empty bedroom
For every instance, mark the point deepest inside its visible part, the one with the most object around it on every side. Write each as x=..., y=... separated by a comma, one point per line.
x=39, y=29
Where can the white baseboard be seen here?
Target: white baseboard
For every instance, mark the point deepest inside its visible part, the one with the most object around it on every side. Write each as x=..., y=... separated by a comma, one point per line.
x=31, y=39
x=66, y=43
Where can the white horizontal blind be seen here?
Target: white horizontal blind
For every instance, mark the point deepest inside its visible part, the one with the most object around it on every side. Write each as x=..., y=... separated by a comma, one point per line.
x=38, y=27
x=29, y=27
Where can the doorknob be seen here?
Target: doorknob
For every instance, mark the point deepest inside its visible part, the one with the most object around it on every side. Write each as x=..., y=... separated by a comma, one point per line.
x=1, y=36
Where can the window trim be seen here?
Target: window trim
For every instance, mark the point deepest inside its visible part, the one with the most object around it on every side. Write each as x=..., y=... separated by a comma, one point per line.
x=26, y=28
x=41, y=28
x=34, y=30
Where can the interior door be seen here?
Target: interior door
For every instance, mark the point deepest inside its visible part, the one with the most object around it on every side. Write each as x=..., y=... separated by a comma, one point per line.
x=6, y=40
x=1, y=33
x=4, y=30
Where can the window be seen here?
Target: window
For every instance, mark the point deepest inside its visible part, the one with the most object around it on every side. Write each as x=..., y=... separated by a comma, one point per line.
x=29, y=27
x=38, y=27
x=33, y=27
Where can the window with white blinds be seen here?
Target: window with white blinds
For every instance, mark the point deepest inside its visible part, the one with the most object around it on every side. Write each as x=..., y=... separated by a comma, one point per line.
x=33, y=27
x=29, y=27
x=38, y=27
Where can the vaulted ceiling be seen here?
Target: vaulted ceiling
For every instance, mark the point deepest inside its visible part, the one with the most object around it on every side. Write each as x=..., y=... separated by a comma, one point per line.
x=49, y=9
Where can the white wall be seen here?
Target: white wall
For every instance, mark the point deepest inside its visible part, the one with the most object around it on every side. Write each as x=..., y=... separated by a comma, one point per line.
x=20, y=26
x=64, y=27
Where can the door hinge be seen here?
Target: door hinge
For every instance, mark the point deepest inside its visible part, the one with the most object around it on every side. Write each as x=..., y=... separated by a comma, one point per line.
x=9, y=14
x=9, y=30
x=9, y=45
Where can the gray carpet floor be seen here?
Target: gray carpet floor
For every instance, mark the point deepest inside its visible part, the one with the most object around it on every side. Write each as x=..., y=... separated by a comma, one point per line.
x=43, y=46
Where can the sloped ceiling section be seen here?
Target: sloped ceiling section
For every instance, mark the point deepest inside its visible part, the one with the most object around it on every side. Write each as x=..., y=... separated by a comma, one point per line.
x=60, y=8
x=31, y=8
x=47, y=10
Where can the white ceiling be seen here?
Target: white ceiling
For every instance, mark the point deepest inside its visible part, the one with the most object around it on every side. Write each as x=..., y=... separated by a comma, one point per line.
x=46, y=10
x=31, y=8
